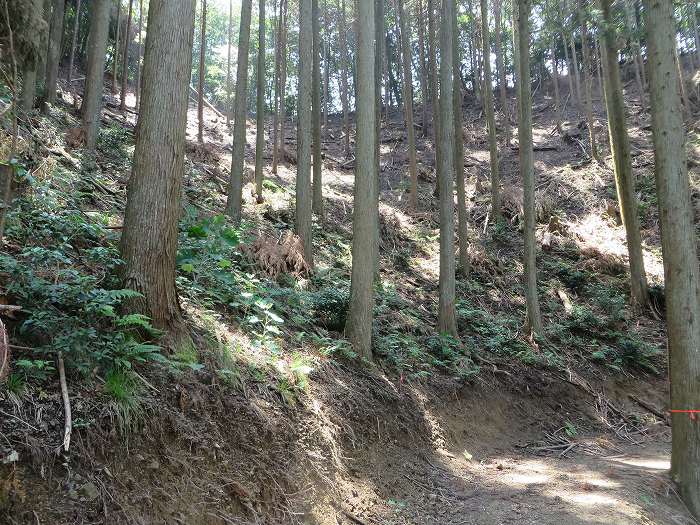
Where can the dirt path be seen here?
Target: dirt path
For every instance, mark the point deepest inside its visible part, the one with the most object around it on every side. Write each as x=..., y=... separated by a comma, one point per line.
x=628, y=488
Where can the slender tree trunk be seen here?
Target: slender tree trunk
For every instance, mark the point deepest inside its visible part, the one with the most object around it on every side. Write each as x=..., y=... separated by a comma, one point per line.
x=634, y=44
x=260, y=105
x=408, y=103
x=327, y=33
x=501, y=69
x=125, y=57
x=115, y=54
x=587, y=81
x=304, y=124
x=94, y=75
x=379, y=30
x=682, y=278
x=283, y=81
x=73, y=45
x=620, y=144
x=278, y=73
x=137, y=89
x=229, y=109
x=490, y=117
x=555, y=80
x=599, y=65
x=358, y=327
x=570, y=70
x=316, y=112
x=344, y=64
x=574, y=64
x=522, y=10
x=41, y=65
x=149, y=236
x=202, y=72
x=54, y=53
x=235, y=188
x=435, y=102
x=447, y=319
x=424, y=70
x=462, y=216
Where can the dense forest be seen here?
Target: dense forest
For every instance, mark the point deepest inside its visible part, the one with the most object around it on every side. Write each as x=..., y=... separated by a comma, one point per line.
x=349, y=262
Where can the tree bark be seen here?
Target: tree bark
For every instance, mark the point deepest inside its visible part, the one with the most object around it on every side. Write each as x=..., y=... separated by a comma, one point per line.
x=303, y=183
x=490, y=117
x=202, y=72
x=317, y=196
x=125, y=58
x=149, y=236
x=94, y=76
x=260, y=105
x=235, y=188
x=682, y=278
x=54, y=52
x=358, y=327
x=447, y=320
x=408, y=103
x=620, y=144
x=527, y=172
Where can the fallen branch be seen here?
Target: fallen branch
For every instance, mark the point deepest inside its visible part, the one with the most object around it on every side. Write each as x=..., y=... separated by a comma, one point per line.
x=4, y=352
x=207, y=103
x=9, y=308
x=648, y=406
x=68, y=427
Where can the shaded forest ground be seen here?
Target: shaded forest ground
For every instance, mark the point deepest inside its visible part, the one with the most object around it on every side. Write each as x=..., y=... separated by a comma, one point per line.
x=286, y=426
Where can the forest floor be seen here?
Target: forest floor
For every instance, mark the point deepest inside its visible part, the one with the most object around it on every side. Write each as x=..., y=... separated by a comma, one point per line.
x=495, y=428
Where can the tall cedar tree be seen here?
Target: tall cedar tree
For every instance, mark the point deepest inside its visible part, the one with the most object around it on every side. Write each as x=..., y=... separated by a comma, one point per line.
x=624, y=177
x=235, y=186
x=54, y=52
x=202, y=72
x=303, y=184
x=260, y=105
x=125, y=57
x=527, y=172
x=490, y=117
x=153, y=206
x=447, y=320
x=408, y=102
x=277, y=81
x=358, y=328
x=73, y=45
x=678, y=242
x=94, y=75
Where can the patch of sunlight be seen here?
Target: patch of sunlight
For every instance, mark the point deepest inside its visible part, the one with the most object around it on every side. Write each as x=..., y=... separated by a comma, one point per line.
x=596, y=230
x=525, y=478
x=586, y=498
x=650, y=463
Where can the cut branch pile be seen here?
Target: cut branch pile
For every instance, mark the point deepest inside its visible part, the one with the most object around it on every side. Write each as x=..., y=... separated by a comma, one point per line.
x=274, y=257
